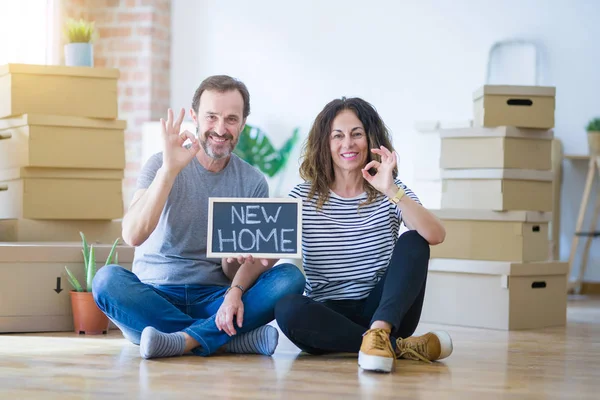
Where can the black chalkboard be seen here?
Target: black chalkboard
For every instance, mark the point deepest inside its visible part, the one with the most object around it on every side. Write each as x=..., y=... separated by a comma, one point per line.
x=261, y=227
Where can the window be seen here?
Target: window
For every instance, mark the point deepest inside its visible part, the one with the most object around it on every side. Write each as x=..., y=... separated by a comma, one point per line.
x=28, y=31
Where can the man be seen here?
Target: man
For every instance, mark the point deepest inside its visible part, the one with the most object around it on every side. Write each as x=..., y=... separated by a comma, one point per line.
x=177, y=300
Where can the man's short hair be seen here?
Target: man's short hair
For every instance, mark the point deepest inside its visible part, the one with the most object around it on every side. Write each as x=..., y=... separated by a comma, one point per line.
x=222, y=83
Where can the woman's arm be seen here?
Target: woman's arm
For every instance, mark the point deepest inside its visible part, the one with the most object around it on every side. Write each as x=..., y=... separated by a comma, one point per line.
x=418, y=218
x=230, y=267
x=415, y=216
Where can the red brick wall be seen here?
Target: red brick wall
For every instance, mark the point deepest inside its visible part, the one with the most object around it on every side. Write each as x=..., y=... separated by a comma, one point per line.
x=135, y=37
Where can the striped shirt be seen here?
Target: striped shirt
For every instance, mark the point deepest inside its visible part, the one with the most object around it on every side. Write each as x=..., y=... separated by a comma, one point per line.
x=346, y=250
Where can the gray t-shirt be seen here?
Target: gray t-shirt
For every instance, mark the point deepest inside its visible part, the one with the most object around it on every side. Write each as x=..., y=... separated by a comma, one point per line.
x=175, y=253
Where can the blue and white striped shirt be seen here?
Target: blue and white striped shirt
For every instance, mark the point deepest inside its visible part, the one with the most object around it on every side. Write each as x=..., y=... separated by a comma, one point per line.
x=346, y=250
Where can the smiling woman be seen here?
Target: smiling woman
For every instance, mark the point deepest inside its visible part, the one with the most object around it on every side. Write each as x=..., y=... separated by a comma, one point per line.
x=31, y=27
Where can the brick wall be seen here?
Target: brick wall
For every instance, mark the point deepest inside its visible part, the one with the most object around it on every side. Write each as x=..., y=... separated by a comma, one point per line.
x=135, y=37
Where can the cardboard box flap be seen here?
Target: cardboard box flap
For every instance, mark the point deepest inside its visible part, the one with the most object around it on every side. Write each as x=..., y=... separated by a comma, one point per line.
x=514, y=90
x=59, y=252
x=59, y=120
x=434, y=126
x=497, y=173
x=489, y=215
x=427, y=126
x=456, y=124
x=499, y=267
x=60, y=173
x=500, y=131
x=32, y=69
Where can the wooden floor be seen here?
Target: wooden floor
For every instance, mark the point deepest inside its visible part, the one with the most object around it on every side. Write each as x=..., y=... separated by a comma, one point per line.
x=557, y=363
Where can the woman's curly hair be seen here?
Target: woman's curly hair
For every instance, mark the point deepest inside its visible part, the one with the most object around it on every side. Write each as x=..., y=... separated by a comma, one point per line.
x=317, y=164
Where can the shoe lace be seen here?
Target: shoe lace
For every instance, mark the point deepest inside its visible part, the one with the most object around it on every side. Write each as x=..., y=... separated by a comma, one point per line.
x=378, y=338
x=414, y=350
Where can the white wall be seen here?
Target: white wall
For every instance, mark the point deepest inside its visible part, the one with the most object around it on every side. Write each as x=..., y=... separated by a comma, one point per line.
x=413, y=59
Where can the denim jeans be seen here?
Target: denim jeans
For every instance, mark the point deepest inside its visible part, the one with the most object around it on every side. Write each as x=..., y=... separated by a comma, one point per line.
x=133, y=305
x=338, y=325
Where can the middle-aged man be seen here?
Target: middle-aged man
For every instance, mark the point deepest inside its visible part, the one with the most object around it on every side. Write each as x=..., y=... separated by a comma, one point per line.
x=176, y=300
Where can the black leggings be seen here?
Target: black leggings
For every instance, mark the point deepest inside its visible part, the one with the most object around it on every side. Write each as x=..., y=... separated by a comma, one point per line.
x=338, y=325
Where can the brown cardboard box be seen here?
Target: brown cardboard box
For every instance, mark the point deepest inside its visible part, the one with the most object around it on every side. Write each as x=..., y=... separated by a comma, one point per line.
x=58, y=90
x=36, y=140
x=516, y=236
x=497, y=189
x=496, y=295
x=501, y=147
x=39, y=230
x=520, y=106
x=28, y=279
x=59, y=193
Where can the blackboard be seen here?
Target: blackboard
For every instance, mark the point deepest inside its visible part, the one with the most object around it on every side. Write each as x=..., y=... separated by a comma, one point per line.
x=261, y=227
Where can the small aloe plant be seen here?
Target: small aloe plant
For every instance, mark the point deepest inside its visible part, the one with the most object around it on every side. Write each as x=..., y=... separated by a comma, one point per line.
x=80, y=31
x=89, y=264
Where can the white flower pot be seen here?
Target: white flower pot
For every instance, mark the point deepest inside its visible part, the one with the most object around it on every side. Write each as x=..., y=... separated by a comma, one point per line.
x=79, y=55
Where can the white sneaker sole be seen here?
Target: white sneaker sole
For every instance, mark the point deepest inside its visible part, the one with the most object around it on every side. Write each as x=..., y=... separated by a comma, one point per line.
x=445, y=343
x=375, y=363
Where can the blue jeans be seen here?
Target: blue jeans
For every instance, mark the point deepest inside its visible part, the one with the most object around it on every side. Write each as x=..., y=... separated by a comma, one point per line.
x=133, y=305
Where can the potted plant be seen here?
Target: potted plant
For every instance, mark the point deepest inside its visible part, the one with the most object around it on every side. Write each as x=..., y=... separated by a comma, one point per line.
x=87, y=317
x=79, y=51
x=256, y=149
x=593, y=134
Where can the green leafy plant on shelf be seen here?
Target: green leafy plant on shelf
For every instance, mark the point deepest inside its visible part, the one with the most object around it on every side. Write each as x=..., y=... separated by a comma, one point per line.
x=80, y=31
x=593, y=125
x=89, y=264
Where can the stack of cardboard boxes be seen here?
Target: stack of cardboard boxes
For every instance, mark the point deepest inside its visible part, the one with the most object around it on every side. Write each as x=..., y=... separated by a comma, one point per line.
x=493, y=269
x=62, y=153
x=62, y=161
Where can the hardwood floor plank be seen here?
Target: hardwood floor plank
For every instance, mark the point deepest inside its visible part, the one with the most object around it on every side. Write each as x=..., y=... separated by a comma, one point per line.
x=554, y=363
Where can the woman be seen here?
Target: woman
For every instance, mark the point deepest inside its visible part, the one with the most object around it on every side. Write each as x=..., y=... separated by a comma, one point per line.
x=365, y=285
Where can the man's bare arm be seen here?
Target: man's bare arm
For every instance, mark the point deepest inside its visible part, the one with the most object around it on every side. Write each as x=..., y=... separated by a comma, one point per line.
x=146, y=207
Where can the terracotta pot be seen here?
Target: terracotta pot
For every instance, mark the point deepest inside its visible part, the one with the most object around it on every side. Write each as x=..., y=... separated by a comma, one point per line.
x=594, y=142
x=87, y=317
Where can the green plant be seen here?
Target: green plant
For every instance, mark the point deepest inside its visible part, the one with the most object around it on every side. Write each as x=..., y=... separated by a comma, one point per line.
x=80, y=31
x=256, y=149
x=594, y=125
x=89, y=265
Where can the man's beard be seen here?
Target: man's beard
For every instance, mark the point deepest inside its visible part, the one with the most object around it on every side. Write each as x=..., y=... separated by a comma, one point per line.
x=207, y=148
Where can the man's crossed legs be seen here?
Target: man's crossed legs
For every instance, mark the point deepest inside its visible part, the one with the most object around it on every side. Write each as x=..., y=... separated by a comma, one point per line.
x=171, y=310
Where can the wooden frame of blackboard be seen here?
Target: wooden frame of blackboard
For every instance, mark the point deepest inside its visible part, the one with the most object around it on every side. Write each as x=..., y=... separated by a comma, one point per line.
x=212, y=200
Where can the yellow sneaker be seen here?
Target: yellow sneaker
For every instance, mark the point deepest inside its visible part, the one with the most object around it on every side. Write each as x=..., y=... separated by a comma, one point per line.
x=430, y=347
x=376, y=352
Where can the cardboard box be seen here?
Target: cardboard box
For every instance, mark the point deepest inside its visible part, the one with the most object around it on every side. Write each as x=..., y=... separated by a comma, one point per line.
x=496, y=152
x=517, y=236
x=496, y=295
x=429, y=192
x=28, y=279
x=497, y=131
x=39, y=230
x=427, y=147
x=52, y=141
x=58, y=90
x=500, y=147
x=520, y=106
x=497, y=189
x=59, y=193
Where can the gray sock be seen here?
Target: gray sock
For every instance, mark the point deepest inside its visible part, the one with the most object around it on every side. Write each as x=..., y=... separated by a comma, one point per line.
x=261, y=340
x=157, y=344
